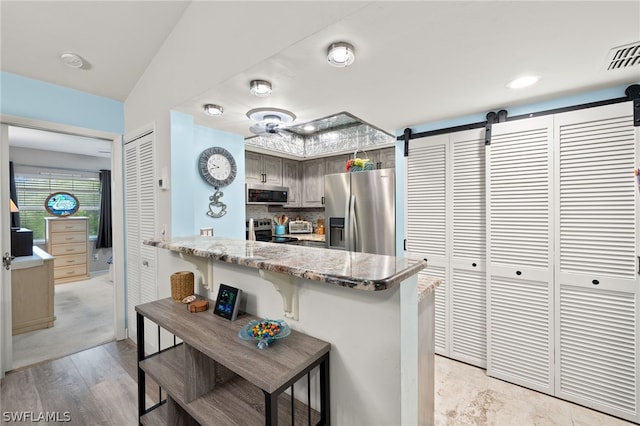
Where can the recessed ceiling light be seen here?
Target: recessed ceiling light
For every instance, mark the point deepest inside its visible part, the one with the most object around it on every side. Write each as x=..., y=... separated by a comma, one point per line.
x=71, y=59
x=213, y=110
x=525, y=81
x=260, y=88
x=341, y=54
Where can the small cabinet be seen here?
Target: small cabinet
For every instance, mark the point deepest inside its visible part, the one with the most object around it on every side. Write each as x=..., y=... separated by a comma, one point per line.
x=384, y=158
x=264, y=169
x=336, y=164
x=291, y=179
x=313, y=183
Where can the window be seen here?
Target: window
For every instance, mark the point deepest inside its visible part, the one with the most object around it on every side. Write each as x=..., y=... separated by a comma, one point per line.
x=34, y=188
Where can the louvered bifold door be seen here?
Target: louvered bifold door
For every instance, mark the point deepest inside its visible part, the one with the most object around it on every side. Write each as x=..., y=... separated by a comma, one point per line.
x=596, y=262
x=427, y=221
x=519, y=253
x=140, y=208
x=468, y=246
x=132, y=232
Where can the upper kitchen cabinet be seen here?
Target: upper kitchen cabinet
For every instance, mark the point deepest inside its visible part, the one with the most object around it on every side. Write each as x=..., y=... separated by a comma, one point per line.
x=291, y=179
x=336, y=164
x=313, y=172
x=264, y=169
x=384, y=158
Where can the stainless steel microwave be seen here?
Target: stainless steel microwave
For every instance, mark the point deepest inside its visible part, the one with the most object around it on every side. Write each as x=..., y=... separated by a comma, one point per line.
x=267, y=194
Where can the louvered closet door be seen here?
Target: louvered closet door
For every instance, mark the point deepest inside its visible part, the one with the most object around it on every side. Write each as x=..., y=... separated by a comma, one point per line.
x=596, y=263
x=427, y=220
x=519, y=253
x=467, y=288
x=140, y=207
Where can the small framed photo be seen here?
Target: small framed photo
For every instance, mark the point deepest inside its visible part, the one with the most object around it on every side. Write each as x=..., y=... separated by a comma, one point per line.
x=227, y=302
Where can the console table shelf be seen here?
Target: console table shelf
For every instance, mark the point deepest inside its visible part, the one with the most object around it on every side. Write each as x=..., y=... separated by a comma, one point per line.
x=213, y=377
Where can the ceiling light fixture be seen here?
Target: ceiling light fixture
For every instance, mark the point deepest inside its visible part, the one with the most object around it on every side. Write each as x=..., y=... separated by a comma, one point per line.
x=309, y=128
x=213, y=110
x=260, y=88
x=272, y=115
x=341, y=54
x=524, y=81
x=71, y=59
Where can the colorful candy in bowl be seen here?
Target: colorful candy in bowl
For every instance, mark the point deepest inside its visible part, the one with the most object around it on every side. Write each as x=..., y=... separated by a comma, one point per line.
x=265, y=331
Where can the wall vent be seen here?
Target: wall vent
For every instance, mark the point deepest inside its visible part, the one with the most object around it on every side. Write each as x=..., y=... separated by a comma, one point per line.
x=623, y=56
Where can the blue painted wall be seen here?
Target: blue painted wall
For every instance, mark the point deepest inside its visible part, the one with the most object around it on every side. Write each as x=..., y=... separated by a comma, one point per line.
x=28, y=98
x=594, y=96
x=190, y=193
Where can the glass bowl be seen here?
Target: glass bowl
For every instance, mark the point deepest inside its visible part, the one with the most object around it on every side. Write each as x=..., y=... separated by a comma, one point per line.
x=264, y=331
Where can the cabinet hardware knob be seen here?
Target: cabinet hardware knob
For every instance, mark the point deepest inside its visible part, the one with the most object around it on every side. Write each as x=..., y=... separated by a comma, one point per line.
x=322, y=200
x=474, y=264
x=425, y=259
x=595, y=282
x=145, y=263
x=518, y=272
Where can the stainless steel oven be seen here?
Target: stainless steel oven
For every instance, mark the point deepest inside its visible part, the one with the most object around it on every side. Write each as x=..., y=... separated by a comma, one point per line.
x=263, y=232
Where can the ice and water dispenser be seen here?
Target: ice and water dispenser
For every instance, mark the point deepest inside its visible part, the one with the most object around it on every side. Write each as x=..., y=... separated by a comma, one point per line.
x=337, y=235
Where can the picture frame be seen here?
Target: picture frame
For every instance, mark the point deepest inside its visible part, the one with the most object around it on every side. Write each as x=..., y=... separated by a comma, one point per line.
x=227, y=302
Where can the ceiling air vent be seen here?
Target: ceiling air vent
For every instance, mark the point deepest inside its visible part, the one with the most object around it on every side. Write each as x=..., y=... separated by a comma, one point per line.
x=624, y=56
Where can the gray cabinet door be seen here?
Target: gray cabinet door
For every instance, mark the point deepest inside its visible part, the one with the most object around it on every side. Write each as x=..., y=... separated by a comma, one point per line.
x=291, y=179
x=253, y=167
x=272, y=169
x=336, y=164
x=313, y=183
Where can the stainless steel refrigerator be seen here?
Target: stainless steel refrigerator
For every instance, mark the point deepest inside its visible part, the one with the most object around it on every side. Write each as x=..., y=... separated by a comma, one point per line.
x=360, y=211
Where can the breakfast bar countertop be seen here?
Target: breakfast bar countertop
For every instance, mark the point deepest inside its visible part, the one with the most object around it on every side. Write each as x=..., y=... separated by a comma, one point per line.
x=361, y=271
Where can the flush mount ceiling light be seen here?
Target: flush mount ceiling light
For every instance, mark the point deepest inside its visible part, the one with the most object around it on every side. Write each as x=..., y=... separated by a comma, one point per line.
x=271, y=115
x=341, y=54
x=213, y=110
x=260, y=88
x=71, y=59
x=524, y=81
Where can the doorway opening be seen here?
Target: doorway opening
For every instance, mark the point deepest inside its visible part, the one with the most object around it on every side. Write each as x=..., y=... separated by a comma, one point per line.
x=84, y=302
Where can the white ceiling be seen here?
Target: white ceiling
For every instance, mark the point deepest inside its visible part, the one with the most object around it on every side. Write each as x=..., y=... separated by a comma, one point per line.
x=53, y=141
x=416, y=61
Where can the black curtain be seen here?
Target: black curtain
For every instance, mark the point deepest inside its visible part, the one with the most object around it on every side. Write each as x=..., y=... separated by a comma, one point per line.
x=15, y=217
x=104, y=224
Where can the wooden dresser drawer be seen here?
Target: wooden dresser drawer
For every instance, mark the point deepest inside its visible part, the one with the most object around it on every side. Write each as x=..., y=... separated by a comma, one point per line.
x=73, y=248
x=68, y=225
x=68, y=237
x=70, y=260
x=69, y=271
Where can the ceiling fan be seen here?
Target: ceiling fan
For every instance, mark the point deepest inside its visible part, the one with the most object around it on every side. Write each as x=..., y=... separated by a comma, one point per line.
x=270, y=121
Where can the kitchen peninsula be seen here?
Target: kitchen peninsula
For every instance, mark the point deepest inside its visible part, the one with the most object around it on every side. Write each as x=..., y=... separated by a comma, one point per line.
x=366, y=306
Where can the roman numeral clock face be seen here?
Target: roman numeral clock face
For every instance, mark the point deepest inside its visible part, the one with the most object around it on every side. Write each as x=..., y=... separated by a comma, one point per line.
x=217, y=166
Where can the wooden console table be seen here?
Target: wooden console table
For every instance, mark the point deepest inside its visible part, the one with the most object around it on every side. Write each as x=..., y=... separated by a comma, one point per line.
x=32, y=292
x=215, y=378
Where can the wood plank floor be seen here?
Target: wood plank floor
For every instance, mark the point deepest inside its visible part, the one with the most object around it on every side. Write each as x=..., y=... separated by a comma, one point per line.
x=95, y=387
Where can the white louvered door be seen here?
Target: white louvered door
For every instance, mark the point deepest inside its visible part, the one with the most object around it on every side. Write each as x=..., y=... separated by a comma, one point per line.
x=427, y=221
x=519, y=253
x=140, y=207
x=596, y=264
x=467, y=290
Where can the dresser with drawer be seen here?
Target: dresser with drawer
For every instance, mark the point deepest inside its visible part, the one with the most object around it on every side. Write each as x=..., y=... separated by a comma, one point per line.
x=68, y=242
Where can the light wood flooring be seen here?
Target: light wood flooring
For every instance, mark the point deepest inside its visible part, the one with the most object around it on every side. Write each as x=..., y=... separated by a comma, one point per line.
x=98, y=387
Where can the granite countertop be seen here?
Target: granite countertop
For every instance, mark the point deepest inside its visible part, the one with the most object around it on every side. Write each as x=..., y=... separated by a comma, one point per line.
x=361, y=271
x=307, y=237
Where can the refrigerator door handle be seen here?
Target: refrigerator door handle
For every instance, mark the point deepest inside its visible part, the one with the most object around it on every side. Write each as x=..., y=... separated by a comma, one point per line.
x=353, y=232
x=347, y=225
x=354, y=225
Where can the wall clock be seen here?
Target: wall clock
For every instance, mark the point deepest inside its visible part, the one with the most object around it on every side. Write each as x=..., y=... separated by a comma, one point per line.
x=218, y=168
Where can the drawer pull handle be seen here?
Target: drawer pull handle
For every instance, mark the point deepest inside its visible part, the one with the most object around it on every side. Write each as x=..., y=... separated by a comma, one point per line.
x=69, y=261
x=518, y=272
x=595, y=282
x=70, y=249
x=70, y=273
x=69, y=238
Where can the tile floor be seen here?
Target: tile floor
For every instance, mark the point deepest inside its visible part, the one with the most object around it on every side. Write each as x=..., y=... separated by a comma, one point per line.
x=465, y=395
